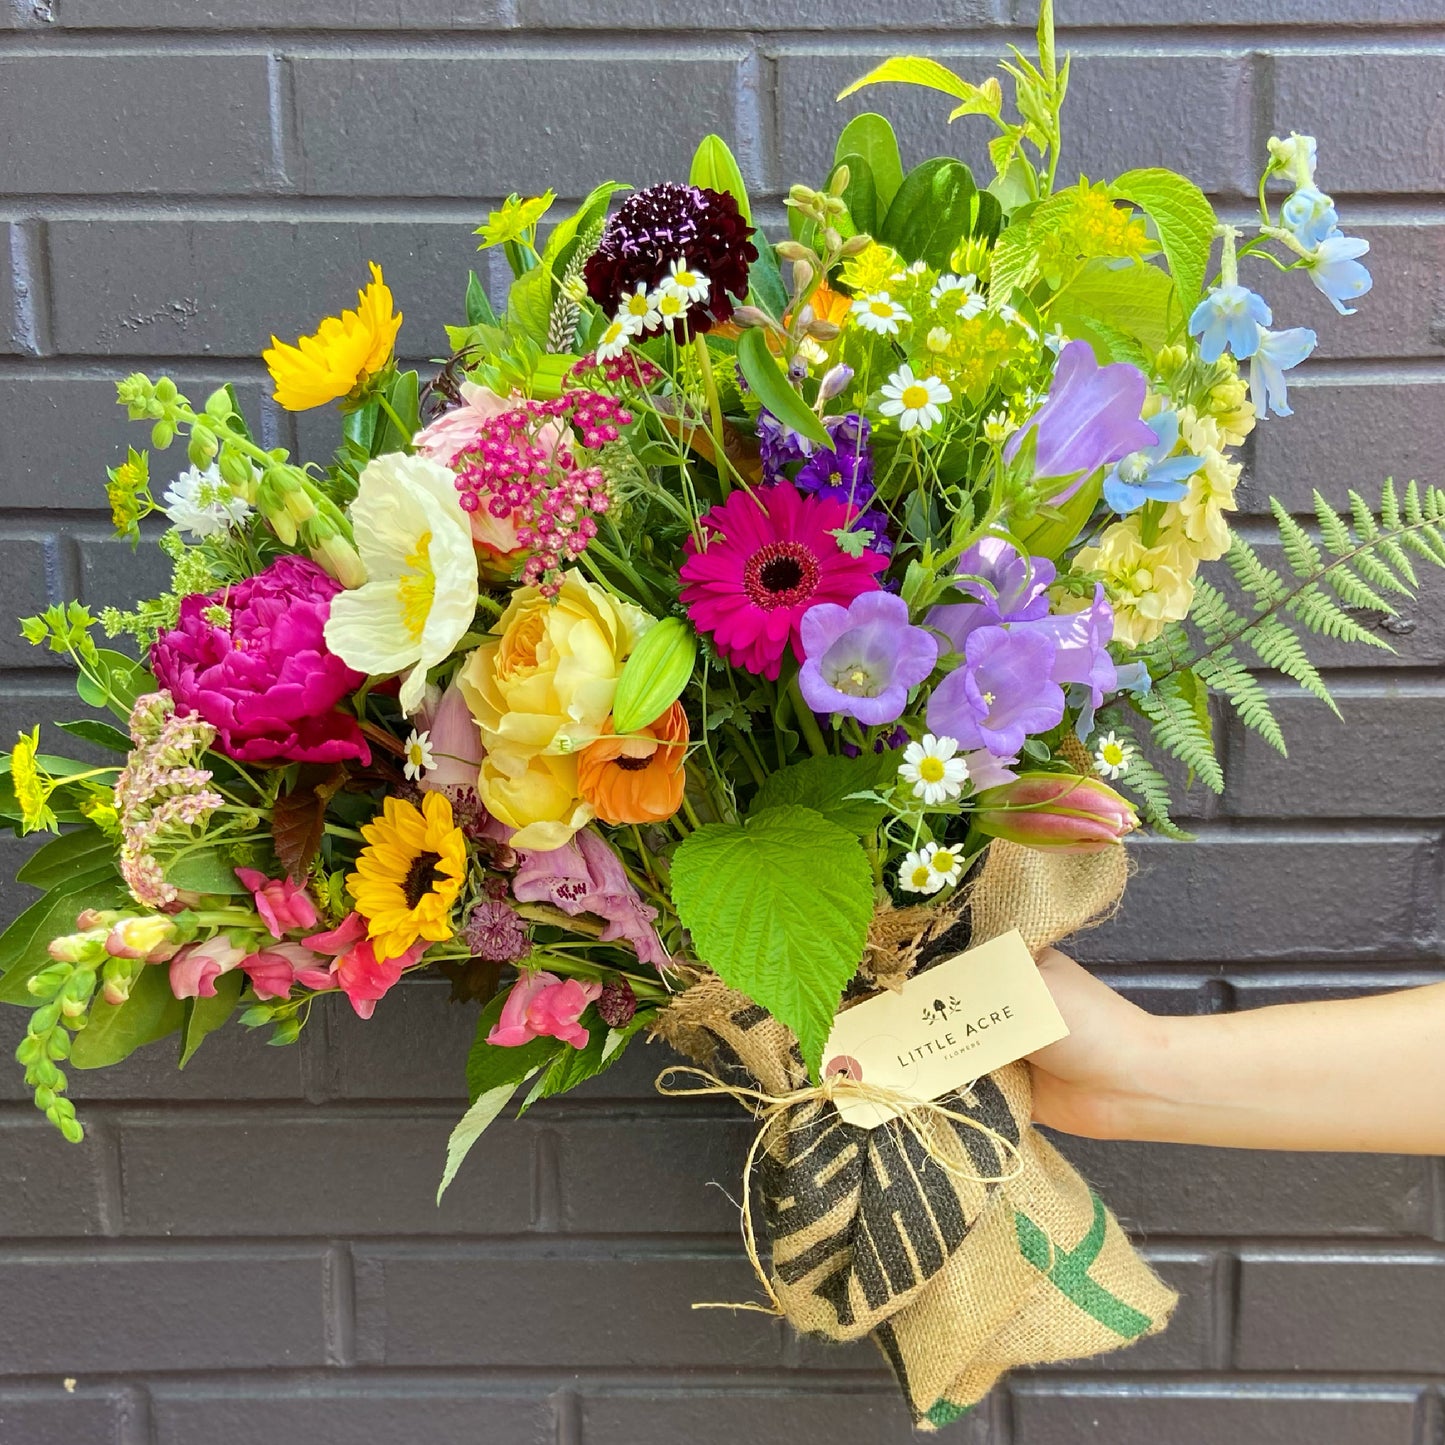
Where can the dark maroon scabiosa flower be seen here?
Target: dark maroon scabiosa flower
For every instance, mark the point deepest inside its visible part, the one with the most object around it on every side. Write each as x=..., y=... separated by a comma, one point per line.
x=666, y=223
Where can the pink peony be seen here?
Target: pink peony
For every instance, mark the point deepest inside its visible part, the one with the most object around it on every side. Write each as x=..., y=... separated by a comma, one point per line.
x=357, y=971
x=460, y=429
x=195, y=969
x=264, y=678
x=276, y=969
x=279, y=901
x=586, y=876
x=770, y=556
x=541, y=1005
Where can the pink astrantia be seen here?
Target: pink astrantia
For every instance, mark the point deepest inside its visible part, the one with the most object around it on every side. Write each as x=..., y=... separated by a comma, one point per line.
x=541, y=1005
x=279, y=901
x=195, y=969
x=586, y=876
x=770, y=556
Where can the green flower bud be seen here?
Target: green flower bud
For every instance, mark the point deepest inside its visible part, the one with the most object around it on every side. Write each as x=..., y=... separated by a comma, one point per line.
x=218, y=404
x=237, y=472
x=201, y=448
x=654, y=676
x=44, y=1098
x=162, y=435
x=166, y=391
x=336, y=554
x=69, y=1127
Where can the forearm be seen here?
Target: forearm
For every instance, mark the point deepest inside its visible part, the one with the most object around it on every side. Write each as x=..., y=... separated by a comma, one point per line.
x=1362, y=1075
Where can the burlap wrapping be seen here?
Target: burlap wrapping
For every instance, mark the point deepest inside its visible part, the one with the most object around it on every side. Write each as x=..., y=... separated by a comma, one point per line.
x=957, y=1281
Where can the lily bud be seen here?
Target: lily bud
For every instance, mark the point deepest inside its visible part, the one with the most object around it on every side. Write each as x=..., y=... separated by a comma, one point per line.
x=1056, y=811
x=752, y=316
x=840, y=180
x=835, y=381
x=802, y=276
x=855, y=245
x=793, y=251
x=139, y=937
x=821, y=330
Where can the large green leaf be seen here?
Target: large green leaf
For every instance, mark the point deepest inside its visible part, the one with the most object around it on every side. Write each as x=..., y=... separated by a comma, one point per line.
x=567, y=234
x=778, y=907
x=765, y=281
x=860, y=195
x=715, y=167
x=205, y=1015
x=488, y=1065
x=79, y=851
x=529, y=304
x=115, y=1031
x=769, y=385
x=1184, y=220
x=1135, y=299
x=92, y=730
x=824, y=784
x=207, y=871
x=23, y=946
x=932, y=212
x=870, y=136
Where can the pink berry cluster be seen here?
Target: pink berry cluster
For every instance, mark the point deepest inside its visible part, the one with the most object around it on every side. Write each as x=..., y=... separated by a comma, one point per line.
x=629, y=368
x=522, y=468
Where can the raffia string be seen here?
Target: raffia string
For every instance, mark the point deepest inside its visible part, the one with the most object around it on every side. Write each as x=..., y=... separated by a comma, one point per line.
x=771, y=1109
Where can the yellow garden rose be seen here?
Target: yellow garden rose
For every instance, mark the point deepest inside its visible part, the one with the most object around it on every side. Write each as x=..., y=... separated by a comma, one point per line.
x=540, y=690
x=1148, y=586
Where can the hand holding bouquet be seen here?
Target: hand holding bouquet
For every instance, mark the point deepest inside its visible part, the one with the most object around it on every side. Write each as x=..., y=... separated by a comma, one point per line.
x=672, y=658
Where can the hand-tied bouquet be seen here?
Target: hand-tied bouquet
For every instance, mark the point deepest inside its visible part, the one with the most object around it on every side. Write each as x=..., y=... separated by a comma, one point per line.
x=672, y=658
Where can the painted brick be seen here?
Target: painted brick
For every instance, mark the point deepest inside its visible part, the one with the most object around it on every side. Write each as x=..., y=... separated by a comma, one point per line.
x=196, y=288
x=1320, y=1311
x=1140, y=111
x=708, y=1418
x=352, y=1415
x=1254, y=896
x=192, y=126
x=30, y=578
x=1163, y=1189
x=351, y=144
x=946, y=15
x=170, y=1309
x=15, y=330
x=1304, y=986
x=53, y=1417
x=1212, y=13
x=1382, y=759
x=317, y=1173
x=1379, y=117
x=51, y=1188
x=1343, y=436
x=111, y=575
x=298, y=15
x=1056, y=1414
x=1189, y=1342
x=418, y=1306
x=59, y=433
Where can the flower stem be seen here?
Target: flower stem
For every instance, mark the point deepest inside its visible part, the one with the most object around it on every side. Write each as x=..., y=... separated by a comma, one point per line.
x=807, y=723
x=714, y=403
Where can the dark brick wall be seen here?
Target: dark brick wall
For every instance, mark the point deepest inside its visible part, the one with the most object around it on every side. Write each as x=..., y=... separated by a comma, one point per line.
x=250, y=1252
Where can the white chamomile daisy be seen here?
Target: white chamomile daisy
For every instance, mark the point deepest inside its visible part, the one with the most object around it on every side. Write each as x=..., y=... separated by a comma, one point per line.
x=638, y=311
x=936, y=774
x=418, y=755
x=614, y=339
x=672, y=307
x=879, y=313
x=961, y=294
x=998, y=427
x=1113, y=756
x=947, y=863
x=949, y=282
x=917, y=402
x=682, y=281
x=916, y=874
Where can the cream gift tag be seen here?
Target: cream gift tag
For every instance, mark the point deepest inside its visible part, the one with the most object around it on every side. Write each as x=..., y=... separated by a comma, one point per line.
x=952, y=1024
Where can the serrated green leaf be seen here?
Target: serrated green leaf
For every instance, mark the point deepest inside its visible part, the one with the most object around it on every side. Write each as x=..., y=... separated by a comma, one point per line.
x=778, y=907
x=870, y=136
x=1135, y=299
x=715, y=167
x=771, y=388
x=470, y=1128
x=1184, y=220
x=489, y=1065
x=824, y=785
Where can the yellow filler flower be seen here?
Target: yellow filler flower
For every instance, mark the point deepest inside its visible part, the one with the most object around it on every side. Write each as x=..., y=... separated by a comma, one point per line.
x=344, y=352
x=409, y=875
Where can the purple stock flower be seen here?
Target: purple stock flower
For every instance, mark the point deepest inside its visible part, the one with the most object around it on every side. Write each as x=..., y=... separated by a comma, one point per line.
x=586, y=876
x=1009, y=586
x=779, y=446
x=844, y=473
x=860, y=660
x=1003, y=692
x=1091, y=418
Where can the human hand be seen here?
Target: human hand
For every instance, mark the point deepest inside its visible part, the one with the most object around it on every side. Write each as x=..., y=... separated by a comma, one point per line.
x=1084, y=1084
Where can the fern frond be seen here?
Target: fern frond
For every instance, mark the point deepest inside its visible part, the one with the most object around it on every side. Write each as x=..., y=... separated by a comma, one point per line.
x=1312, y=607
x=1390, y=506
x=1299, y=551
x=1355, y=593
x=1277, y=645
x=1260, y=581
x=1150, y=789
x=1227, y=675
x=1333, y=528
x=1177, y=710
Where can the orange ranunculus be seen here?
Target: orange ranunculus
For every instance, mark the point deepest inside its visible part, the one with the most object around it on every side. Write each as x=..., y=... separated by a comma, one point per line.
x=636, y=779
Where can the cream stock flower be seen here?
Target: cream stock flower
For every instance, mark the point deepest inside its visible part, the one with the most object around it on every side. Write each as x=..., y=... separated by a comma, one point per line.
x=1148, y=586
x=420, y=595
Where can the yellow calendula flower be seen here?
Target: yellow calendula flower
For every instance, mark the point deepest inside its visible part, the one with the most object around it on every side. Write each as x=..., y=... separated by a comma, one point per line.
x=1148, y=586
x=32, y=786
x=345, y=350
x=409, y=875
x=515, y=220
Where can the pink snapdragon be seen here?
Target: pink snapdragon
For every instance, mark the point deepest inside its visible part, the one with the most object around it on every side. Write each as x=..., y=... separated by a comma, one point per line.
x=195, y=969
x=541, y=1005
x=355, y=969
x=274, y=971
x=279, y=901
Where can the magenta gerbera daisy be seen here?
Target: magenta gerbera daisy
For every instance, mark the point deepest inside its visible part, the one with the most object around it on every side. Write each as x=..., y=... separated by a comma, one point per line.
x=769, y=557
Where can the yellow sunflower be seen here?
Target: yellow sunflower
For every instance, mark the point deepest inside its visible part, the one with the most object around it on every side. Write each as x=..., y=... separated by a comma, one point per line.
x=409, y=874
x=344, y=352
